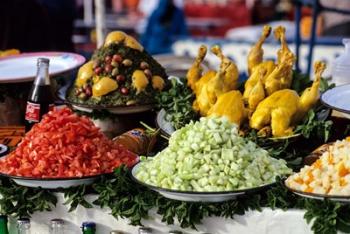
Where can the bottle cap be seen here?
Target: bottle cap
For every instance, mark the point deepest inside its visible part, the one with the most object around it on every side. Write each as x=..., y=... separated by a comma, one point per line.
x=4, y=149
x=89, y=225
x=23, y=221
x=43, y=60
x=57, y=221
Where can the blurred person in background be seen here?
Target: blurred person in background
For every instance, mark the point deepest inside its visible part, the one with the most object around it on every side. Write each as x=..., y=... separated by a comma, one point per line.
x=165, y=25
x=146, y=8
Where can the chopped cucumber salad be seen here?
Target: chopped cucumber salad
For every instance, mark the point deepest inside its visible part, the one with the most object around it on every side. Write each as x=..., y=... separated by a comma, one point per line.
x=209, y=155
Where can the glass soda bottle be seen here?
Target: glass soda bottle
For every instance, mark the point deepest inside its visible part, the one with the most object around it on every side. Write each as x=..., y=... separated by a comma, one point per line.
x=88, y=228
x=23, y=226
x=3, y=224
x=41, y=98
x=56, y=226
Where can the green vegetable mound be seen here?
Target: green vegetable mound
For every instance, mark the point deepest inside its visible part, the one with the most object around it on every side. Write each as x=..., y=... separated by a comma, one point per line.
x=209, y=155
x=116, y=98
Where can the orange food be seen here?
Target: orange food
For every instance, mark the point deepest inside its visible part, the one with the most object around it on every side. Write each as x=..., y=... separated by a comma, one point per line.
x=342, y=182
x=64, y=144
x=342, y=171
x=330, y=159
x=309, y=190
x=317, y=164
x=310, y=179
x=299, y=180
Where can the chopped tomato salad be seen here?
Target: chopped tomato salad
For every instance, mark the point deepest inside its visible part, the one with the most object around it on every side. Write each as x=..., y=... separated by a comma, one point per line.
x=63, y=145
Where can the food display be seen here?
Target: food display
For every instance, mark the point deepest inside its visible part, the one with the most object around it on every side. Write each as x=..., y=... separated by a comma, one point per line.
x=328, y=175
x=65, y=145
x=266, y=102
x=209, y=155
x=216, y=139
x=120, y=73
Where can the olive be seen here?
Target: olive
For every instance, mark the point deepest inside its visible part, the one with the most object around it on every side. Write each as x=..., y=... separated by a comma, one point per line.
x=83, y=96
x=115, y=64
x=108, y=68
x=124, y=91
x=77, y=92
x=98, y=70
x=144, y=65
x=108, y=59
x=120, y=78
x=115, y=71
x=148, y=73
x=88, y=91
x=127, y=62
x=117, y=58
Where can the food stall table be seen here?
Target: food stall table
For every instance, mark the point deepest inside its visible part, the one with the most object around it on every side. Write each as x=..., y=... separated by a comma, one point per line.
x=267, y=221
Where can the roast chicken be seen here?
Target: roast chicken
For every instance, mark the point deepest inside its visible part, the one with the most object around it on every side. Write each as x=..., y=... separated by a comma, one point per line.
x=280, y=111
x=231, y=73
x=256, y=53
x=281, y=77
x=196, y=70
x=268, y=66
x=230, y=105
x=210, y=92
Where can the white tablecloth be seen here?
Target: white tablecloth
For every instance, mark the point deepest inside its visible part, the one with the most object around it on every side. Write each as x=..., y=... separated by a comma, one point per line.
x=266, y=222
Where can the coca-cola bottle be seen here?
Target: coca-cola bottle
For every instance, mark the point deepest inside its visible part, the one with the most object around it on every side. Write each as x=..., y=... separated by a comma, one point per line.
x=41, y=98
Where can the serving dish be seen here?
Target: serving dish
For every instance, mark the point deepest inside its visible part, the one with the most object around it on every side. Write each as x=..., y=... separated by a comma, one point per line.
x=111, y=109
x=52, y=183
x=22, y=68
x=338, y=99
x=336, y=198
x=193, y=196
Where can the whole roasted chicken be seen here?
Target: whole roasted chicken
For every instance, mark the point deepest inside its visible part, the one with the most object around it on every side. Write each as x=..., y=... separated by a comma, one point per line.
x=280, y=111
x=210, y=92
x=230, y=105
x=212, y=84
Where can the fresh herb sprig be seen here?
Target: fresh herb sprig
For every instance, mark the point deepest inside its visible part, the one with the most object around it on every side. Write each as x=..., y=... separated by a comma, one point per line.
x=313, y=127
x=129, y=200
x=19, y=201
x=177, y=102
x=75, y=196
x=125, y=199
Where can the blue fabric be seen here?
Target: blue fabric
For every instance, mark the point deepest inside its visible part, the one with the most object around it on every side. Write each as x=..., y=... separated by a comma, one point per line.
x=159, y=36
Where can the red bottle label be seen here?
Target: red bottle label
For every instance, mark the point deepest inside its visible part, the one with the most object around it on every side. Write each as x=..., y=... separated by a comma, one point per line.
x=33, y=112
